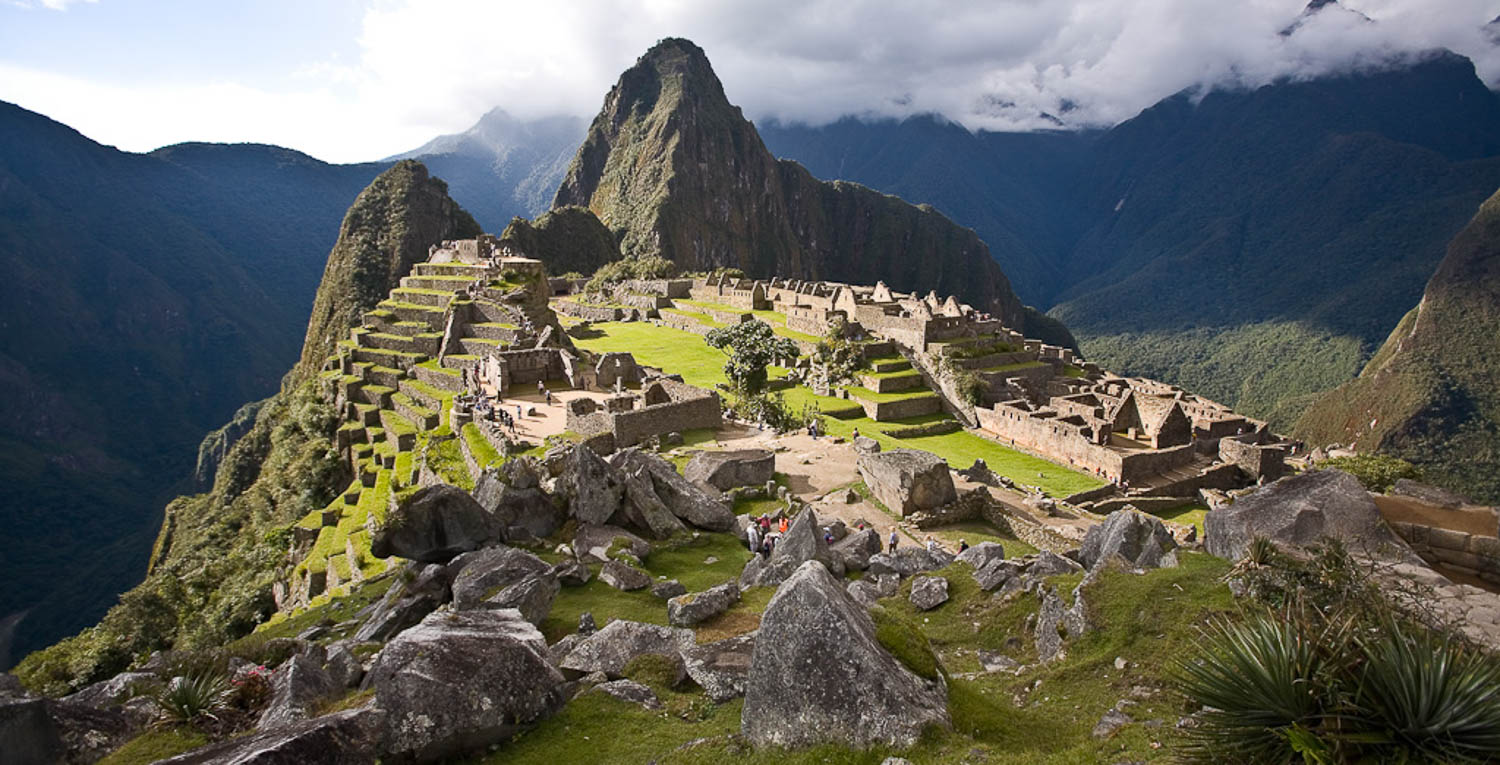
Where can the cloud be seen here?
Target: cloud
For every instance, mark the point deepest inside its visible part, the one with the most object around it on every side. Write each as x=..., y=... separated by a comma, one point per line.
x=55, y=5
x=425, y=67
x=1013, y=64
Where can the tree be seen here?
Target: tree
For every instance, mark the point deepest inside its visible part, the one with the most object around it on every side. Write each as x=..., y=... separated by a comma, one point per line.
x=752, y=346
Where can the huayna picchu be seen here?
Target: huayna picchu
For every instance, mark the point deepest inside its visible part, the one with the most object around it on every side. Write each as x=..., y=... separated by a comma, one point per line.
x=704, y=502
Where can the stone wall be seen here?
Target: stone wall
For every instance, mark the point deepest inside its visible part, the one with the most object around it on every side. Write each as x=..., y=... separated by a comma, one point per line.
x=595, y=312
x=885, y=411
x=1473, y=554
x=689, y=408
x=684, y=323
x=1255, y=460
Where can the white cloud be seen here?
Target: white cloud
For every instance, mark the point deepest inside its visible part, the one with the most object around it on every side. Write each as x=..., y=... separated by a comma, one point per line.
x=58, y=5
x=426, y=67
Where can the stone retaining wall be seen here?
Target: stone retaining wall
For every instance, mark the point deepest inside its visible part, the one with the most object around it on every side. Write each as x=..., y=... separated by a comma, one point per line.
x=885, y=411
x=1473, y=554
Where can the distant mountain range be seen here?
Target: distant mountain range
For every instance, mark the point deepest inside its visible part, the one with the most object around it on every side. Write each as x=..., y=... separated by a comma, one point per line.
x=1256, y=246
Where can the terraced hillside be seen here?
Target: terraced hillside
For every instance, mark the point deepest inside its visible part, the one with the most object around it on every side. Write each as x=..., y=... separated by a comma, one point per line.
x=394, y=380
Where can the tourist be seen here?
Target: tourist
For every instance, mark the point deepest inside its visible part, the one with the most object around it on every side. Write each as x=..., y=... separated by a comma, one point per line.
x=752, y=534
x=932, y=545
x=854, y=435
x=782, y=527
x=548, y=394
x=518, y=412
x=765, y=524
x=540, y=388
x=962, y=545
x=827, y=535
x=894, y=540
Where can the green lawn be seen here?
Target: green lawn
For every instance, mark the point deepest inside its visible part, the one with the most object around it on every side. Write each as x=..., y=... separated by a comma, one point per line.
x=1187, y=515
x=686, y=354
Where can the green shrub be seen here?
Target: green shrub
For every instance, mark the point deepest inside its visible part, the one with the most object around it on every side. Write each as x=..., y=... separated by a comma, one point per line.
x=1377, y=472
x=650, y=267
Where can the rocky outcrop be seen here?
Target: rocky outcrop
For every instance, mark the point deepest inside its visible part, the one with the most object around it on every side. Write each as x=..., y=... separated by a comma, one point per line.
x=595, y=542
x=854, y=551
x=643, y=509
x=908, y=561
x=928, y=592
x=721, y=667
x=1300, y=510
x=868, y=590
x=1141, y=540
x=982, y=554
x=521, y=511
x=687, y=500
x=592, y=487
x=433, y=525
x=463, y=680
x=694, y=607
x=29, y=734
x=620, y=641
x=298, y=686
x=351, y=737
x=418, y=591
x=819, y=675
x=624, y=577
x=907, y=480
x=802, y=542
x=566, y=239
x=484, y=574
x=726, y=470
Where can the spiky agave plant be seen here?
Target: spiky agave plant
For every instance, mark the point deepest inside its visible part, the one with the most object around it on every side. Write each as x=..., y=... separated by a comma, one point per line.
x=1428, y=697
x=1258, y=682
x=189, y=698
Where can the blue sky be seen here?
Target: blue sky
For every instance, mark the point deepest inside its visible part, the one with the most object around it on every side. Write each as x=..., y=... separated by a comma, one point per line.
x=352, y=80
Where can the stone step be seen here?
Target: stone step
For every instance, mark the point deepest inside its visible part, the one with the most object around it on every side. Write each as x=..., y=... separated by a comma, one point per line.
x=489, y=311
x=890, y=365
x=387, y=358
x=421, y=393
x=439, y=377
x=493, y=330
x=444, y=283
x=424, y=418
x=399, y=430
x=460, y=361
x=894, y=383
x=430, y=298
x=378, y=395
x=448, y=269
x=389, y=377
x=478, y=346
x=429, y=315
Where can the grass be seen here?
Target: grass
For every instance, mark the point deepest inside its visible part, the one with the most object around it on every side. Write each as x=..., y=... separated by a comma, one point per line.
x=1013, y=367
x=1045, y=715
x=975, y=532
x=1187, y=515
x=681, y=559
x=905, y=395
x=157, y=744
x=479, y=446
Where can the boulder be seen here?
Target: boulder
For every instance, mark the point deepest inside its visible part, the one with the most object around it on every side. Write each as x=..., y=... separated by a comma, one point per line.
x=463, y=680
x=350, y=737
x=928, y=592
x=643, y=509
x=417, y=592
x=520, y=507
x=866, y=445
x=1047, y=563
x=721, y=667
x=29, y=735
x=750, y=575
x=298, y=686
x=687, y=500
x=1432, y=495
x=486, y=572
x=435, y=524
x=996, y=573
x=854, y=551
x=907, y=480
x=592, y=487
x=10, y=686
x=982, y=554
x=594, y=542
x=668, y=589
x=869, y=590
x=802, y=542
x=694, y=607
x=612, y=647
x=819, y=675
x=1301, y=509
x=572, y=573
x=623, y=576
x=1056, y=619
x=979, y=472
x=531, y=596
x=630, y=691
x=108, y=693
x=908, y=561
x=726, y=470
x=1141, y=540
x=344, y=667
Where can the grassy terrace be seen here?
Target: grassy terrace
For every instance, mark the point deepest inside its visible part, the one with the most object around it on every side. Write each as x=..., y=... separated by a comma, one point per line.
x=776, y=319
x=686, y=354
x=1014, y=367
x=904, y=395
